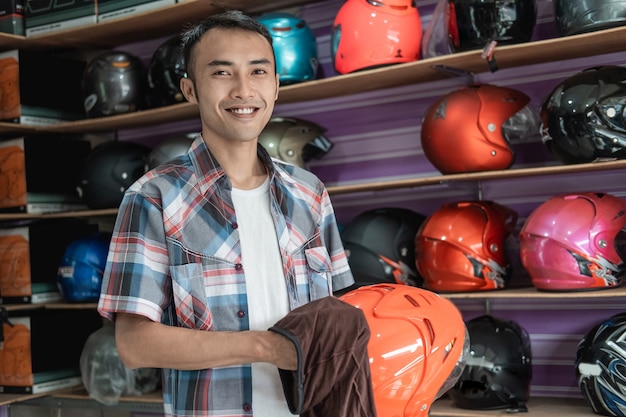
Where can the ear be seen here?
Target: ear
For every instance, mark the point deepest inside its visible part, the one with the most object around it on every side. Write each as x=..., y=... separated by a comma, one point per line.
x=188, y=90
x=277, y=86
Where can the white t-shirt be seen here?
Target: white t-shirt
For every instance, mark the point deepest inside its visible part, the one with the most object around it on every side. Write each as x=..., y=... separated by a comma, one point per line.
x=266, y=288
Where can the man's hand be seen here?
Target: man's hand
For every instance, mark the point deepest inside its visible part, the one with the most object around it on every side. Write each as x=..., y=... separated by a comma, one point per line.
x=283, y=352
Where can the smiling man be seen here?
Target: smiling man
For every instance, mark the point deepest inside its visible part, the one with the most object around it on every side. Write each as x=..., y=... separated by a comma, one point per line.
x=212, y=248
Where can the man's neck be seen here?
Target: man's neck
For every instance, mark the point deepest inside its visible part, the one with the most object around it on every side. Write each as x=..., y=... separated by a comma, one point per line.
x=241, y=164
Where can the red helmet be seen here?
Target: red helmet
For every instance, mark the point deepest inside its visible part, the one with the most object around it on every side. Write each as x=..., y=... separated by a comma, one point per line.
x=417, y=348
x=461, y=247
x=372, y=33
x=575, y=241
x=470, y=129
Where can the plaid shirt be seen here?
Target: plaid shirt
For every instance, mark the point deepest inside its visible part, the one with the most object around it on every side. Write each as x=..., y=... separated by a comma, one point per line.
x=175, y=258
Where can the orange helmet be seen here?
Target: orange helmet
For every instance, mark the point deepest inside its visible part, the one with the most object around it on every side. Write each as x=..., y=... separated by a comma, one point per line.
x=461, y=247
x=368, y=34
x=417, y=348
x=470, y=129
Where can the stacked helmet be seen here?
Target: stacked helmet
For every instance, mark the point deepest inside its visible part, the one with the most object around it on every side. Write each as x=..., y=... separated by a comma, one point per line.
x=498, y=369
x=418, y=346
x=379, y=244
x=471, y=129
x=114, y=82
x=600, y=364
x=584, y=117
x=295, y=141
x=80, y=272
x=165, y=70
x=575, y=242
x=169, y=149
x=462, y=246
x=474, y=23
x=369, y=34
x=295, y=47
x=580, y=16
x=105, y=376
x=109, y=169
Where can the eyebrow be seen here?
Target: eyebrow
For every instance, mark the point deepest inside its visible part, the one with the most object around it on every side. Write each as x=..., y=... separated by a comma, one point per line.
x=261, y=61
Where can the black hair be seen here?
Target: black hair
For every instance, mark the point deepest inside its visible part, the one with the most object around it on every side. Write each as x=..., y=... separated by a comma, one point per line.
x=232, y=19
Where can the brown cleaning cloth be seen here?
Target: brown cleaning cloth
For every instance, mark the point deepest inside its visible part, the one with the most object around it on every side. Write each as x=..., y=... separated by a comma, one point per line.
x=333, y=377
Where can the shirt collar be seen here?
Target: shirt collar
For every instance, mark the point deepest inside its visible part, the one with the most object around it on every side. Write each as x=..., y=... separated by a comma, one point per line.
x=208, y=170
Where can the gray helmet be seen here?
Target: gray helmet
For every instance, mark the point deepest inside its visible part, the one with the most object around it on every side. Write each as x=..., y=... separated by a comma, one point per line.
x=295, y=141
x=581, y=16
x=169, y=149
x=114, y=82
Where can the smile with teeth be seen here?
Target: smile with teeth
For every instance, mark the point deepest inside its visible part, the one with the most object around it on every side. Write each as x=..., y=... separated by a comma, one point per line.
x=247, y=110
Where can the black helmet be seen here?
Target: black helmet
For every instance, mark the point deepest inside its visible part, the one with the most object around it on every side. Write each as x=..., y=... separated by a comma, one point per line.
x=109, y=169
x=295, y=141
x=114, y=82
x=580, y=16
x=601, y=366
x=166, y=68
x=472, y=23
x=584, y=117
x=498, y=369
x=380, y=245
x=169, y=149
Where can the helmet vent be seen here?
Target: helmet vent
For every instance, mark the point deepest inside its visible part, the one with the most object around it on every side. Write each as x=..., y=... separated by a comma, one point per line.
x=431, y=331
x=412, y=300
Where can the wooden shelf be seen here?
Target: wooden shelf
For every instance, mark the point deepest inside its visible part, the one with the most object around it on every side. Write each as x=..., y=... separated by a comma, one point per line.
x=163, y=21
x=534, y=293
x=550, y=50
x=537, y=407
x=6, y=399
x=82, y=394
x=50, y=306
x=64, y=214
x=479, y=176
x=389, y=185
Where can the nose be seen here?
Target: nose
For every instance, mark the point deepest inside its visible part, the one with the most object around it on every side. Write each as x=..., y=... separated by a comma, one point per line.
x=243, y=88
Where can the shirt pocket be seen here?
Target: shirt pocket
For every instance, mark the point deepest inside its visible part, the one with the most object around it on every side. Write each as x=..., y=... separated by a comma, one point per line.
x=319, y=270
x=205, y=299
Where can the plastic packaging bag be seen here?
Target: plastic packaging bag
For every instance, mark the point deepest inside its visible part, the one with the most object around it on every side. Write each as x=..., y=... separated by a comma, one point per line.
x=104, y=375
x=435, y=40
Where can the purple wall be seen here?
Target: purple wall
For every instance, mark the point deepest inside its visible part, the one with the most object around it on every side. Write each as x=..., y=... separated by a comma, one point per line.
x=377, y=137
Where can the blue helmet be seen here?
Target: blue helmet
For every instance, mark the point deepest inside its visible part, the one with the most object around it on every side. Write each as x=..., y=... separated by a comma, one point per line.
x=295, y=48
x=79, y=276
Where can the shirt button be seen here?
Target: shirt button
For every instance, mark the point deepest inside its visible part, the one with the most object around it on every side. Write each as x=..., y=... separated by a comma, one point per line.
x=235, y=225
x=238, y=267
x=247, y=407
x=241, y=314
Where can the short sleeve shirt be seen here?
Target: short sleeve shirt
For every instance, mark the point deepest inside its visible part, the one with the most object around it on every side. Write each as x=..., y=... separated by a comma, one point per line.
x=175, y=258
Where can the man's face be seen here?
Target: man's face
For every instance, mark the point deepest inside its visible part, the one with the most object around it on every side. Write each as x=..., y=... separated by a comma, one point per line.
x=234, y=84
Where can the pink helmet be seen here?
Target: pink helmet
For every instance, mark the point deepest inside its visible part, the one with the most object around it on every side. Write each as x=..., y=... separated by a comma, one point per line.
x=575, y=242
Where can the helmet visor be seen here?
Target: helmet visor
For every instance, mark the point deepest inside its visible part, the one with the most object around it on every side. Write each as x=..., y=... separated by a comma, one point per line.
x=316, y=148
x=457, y=371
x=522, y=125
x=620, y=244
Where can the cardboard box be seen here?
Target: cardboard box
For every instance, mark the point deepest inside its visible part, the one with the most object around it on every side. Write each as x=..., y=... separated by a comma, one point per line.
x=42, y=348
x=114, y=9
x=45, y=16
x=39, y=88
x=41, y=173
x=12, y=17
x=30, y=256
